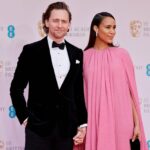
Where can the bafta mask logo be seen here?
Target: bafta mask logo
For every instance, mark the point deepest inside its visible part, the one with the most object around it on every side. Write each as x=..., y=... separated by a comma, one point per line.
x=135, y=28
x=1, y=145
x=40, y=29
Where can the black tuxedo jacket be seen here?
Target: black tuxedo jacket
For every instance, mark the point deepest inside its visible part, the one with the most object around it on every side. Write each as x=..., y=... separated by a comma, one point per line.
x=46, y=104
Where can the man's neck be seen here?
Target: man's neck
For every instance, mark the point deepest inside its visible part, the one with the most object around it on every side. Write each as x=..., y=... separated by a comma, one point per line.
x=56, y=40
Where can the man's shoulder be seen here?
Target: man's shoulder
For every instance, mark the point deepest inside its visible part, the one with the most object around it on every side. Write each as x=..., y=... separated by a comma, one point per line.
x=73, y=47
x=36, y=43
x=31, y=48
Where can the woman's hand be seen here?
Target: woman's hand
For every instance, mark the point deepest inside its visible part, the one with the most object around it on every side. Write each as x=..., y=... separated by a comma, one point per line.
x=136, y=133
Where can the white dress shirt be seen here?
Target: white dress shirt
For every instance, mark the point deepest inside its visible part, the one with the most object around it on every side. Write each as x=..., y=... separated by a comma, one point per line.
x=60, y=62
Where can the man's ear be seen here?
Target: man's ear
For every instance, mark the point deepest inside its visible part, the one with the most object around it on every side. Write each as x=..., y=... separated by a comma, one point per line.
x=46, y=23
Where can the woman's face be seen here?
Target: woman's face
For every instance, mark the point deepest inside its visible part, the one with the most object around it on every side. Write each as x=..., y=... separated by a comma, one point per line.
x=106, y=31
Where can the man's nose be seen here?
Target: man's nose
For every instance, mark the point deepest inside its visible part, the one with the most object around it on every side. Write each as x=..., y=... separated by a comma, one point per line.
x=59, y=24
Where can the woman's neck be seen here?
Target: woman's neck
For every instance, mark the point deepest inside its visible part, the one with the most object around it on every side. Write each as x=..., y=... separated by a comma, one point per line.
x=100, y=45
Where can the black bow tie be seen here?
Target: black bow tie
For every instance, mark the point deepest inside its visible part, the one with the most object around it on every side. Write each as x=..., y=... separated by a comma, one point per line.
x=61, y=45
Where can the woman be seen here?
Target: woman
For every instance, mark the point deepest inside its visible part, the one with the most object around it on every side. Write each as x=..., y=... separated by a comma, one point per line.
x=110, y=91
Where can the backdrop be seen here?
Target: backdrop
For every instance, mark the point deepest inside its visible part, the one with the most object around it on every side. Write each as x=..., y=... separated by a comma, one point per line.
x=20, y=23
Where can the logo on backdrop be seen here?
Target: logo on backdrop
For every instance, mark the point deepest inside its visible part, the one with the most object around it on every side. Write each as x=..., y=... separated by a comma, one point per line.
x=78, y=31
x=7, y=68
x=140, y=69
x=40, y=29
x=11, y=31
x=135, y=28
x=145, y=69
x=12, y=112
x=148, y=70
x=145, y=104
x=148, y=143
x=139, y=28
x=9, y=145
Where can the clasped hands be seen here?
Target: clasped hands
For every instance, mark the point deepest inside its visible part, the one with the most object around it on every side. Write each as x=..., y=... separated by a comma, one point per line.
x=79, y=137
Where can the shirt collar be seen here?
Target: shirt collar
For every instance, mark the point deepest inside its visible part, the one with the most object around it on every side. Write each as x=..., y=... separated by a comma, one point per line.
x=50, y=42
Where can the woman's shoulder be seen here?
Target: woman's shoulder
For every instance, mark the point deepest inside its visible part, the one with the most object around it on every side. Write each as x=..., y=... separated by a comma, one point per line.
x=116, y=50
x=88, y=51
x=124, y=55
x=121, y=51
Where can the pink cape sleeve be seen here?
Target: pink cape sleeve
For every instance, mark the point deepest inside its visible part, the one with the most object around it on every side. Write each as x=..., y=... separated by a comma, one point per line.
x=133, y=89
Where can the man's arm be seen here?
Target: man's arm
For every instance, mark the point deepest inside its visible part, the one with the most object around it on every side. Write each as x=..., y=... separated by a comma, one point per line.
x=18, y=85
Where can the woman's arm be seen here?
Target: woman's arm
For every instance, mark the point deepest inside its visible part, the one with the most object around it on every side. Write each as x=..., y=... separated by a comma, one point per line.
x=136, y=132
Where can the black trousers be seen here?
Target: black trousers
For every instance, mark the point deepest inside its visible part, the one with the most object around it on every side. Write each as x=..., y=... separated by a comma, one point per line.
x=53, y=142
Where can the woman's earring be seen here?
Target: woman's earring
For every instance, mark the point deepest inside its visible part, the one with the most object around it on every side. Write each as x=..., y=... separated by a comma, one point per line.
x=96, y=34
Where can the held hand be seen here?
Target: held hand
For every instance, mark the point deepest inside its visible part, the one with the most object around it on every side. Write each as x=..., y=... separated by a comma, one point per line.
x=83, y=131
x=25, y=122
x=79, y=137
x=136, y=133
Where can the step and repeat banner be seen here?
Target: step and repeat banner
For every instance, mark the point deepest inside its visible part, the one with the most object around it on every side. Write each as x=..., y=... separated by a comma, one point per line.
x=20, y=23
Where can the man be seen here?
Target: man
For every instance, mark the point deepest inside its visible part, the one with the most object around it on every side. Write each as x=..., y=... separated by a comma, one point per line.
x=55, y=116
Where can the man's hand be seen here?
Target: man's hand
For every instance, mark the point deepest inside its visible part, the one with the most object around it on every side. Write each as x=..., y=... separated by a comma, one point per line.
x=79, y=137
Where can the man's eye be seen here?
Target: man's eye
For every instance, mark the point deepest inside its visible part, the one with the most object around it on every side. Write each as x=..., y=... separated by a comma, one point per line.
x=55, y=20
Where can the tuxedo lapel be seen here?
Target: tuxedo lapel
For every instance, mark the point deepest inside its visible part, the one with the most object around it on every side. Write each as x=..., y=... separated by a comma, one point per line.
x=71, y=59
x=48, y=60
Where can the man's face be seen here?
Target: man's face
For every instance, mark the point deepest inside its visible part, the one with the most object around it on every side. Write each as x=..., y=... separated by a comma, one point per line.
x=58, y=24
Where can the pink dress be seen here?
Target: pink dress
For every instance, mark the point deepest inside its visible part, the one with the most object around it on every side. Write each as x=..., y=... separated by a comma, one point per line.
x=109, y=83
